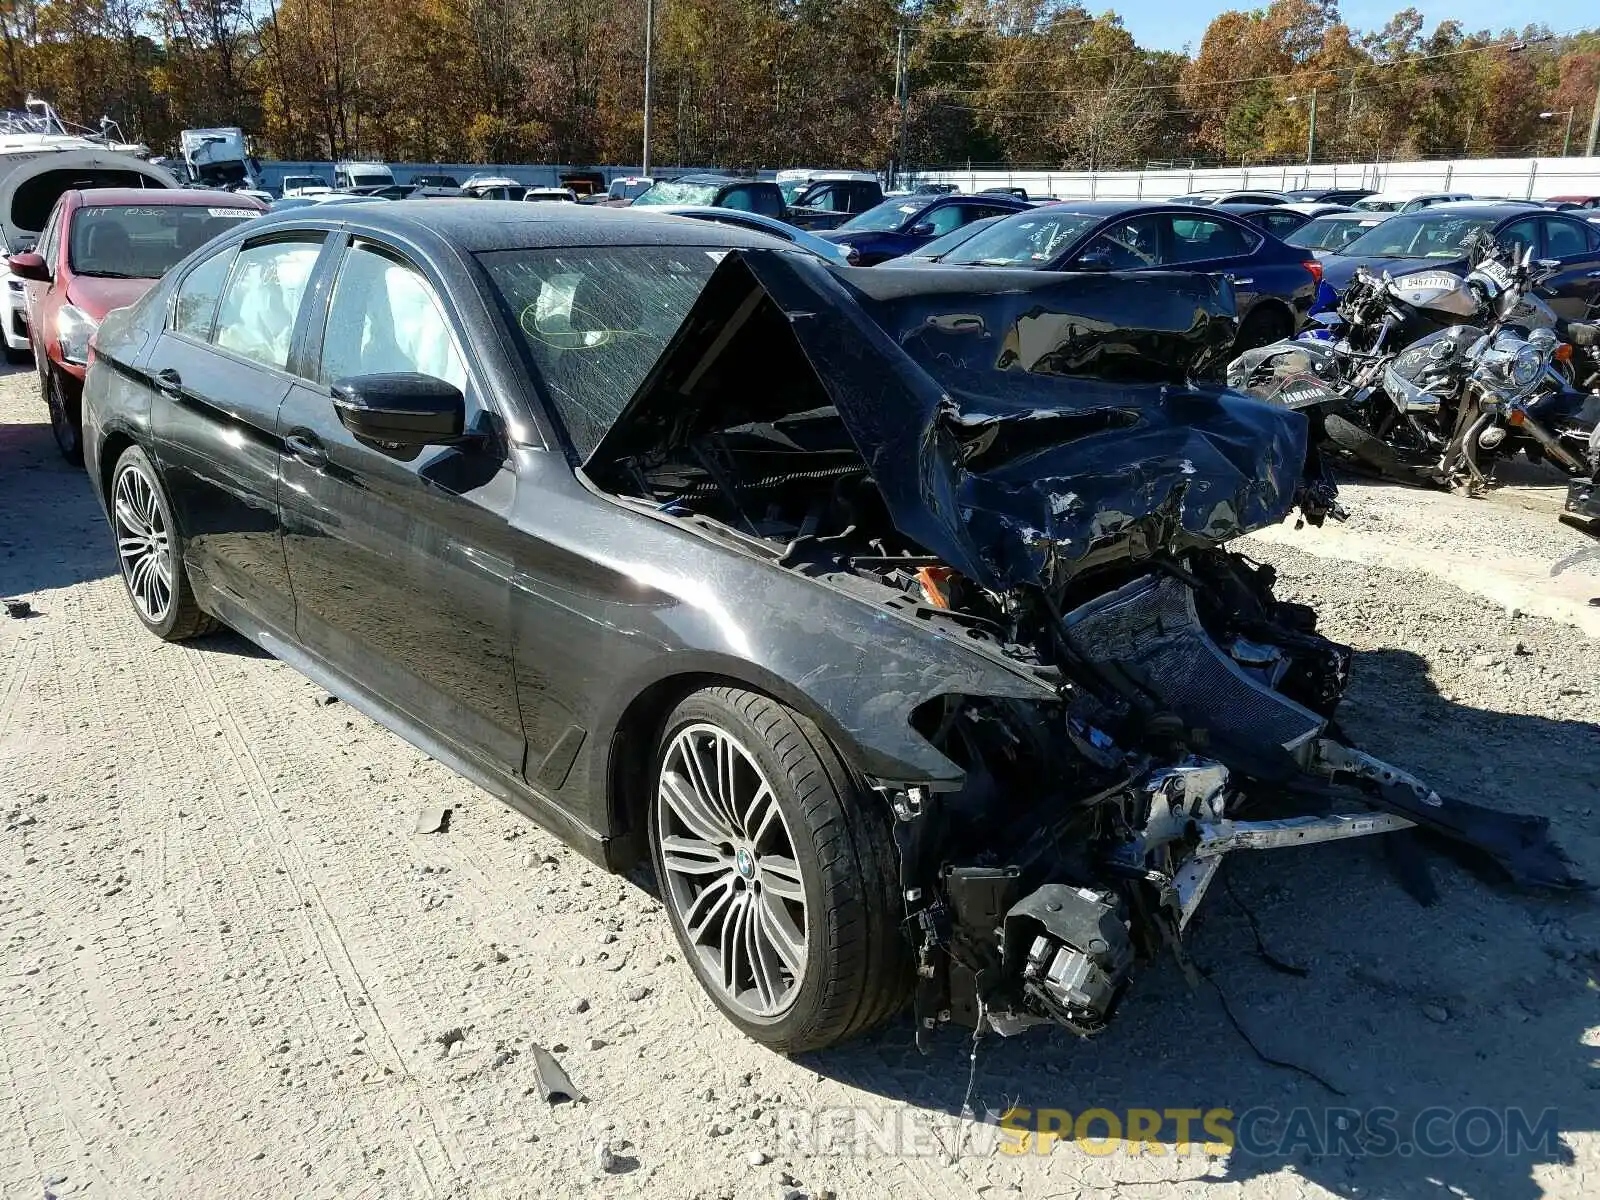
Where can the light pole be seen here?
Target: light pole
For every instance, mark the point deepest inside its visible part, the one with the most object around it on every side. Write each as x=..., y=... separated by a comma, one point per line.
x=1311, y=130
x=1566, y=144
x=649, y=79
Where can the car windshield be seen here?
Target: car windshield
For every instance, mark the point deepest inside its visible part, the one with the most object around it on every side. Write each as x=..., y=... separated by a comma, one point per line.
x=626, y=190
x=1328, y=233
x=1373, y=204
x=1418, y=235
x=891, y=214
x=593, y=321
x=678, y=192
x=1029, y=240
x=141, y=241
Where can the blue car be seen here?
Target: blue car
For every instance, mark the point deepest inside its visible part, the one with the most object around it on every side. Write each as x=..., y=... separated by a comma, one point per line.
x=1435, y=239
x=903, y=224
x=1273, y=284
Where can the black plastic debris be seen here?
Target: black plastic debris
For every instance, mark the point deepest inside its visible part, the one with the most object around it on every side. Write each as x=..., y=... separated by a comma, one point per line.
x=553, y=1080
x=17, y=608
x=434, y=818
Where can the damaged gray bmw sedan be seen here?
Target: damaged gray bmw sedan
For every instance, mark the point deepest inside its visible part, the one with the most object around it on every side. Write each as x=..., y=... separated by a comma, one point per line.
x=891, y=615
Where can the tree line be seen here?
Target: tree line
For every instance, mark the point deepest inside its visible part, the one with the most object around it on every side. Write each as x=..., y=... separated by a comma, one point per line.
x=765, y=83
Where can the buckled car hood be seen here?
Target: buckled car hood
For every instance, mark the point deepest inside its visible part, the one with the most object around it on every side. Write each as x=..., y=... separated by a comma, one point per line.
x=968, y=394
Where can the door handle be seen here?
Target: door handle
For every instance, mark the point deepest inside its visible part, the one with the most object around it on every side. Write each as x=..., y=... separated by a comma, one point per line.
x=307, y=449
x=169, y=382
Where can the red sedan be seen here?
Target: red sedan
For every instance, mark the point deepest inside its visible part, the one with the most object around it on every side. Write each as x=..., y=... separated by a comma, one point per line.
x=101, y=249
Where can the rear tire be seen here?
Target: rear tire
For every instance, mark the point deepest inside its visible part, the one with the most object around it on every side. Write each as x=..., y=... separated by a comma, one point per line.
x=778, y=872
x=1373, y=452
x=1262, y=327
x=151, y=552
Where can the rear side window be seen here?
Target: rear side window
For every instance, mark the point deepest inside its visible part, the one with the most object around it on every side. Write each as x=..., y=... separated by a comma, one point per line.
x=1200, y=239
x=384, y=317
x=198, y=294
x=1564, y=239
x=262, y=300
x=592, y=322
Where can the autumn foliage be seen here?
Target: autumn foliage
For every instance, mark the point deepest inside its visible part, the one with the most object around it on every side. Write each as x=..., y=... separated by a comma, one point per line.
x=772, y=82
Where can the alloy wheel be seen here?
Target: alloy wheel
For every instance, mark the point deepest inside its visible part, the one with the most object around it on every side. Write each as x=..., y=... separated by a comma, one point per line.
x=144, y=543
x=731, y=874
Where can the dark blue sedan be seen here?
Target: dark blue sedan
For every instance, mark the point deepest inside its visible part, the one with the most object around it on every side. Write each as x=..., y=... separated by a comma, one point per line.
x=1273, y=284
x=901, y=225
x=1435, y=238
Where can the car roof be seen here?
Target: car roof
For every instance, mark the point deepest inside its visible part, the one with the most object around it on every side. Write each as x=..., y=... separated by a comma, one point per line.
x=188, y=197
x=713, y=177
x=1244, y=207
x=479, y=226
x=1476, y=208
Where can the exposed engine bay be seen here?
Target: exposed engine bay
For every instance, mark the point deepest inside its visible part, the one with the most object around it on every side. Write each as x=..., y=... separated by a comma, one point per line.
x=1192, y=712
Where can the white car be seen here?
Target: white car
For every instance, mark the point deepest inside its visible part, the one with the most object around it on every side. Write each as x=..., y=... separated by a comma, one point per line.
x=757, y=223
x=551, y=193
x=1404, y=202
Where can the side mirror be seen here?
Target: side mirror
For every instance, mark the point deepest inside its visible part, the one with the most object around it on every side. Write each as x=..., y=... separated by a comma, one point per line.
x=921, y=229
x=401, y=409
x=29, y=265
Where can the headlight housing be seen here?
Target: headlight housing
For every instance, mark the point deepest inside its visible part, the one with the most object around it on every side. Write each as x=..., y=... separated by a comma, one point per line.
x=1526, y=365
x=74, y=328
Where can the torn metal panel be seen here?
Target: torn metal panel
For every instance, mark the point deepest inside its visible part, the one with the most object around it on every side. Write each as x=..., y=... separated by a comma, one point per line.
x=975, y=413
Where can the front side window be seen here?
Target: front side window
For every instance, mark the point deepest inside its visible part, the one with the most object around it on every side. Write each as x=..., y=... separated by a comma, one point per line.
x=262, y=300
x=133, y=241
x=50, y=238
x=1520, y=235
x=198, y=294
x=383, y=318
x=592, y=322
x=1418, y=235
x=947, y=218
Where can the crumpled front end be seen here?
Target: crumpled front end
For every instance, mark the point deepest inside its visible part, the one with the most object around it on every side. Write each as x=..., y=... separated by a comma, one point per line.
x=927, y=443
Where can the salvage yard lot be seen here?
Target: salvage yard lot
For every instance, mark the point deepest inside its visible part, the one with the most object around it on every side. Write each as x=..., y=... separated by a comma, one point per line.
x=232, y=966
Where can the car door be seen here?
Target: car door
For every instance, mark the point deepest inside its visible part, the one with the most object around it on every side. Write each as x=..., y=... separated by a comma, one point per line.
x=1221, y=247
x=399, y=559
x=1573, y=289
x=218, y=371
x=41, y=299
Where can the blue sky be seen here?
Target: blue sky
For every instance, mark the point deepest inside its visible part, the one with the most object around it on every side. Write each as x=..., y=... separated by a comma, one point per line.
x=1168, y=25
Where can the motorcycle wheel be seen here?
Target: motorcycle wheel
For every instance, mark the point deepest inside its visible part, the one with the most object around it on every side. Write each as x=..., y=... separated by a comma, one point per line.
x=1372, y=452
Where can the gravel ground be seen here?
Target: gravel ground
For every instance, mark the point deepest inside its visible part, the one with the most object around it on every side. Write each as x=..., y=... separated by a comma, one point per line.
x=231, y=965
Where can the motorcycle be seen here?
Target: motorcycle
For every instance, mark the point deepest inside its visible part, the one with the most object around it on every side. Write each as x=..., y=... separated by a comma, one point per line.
x=1430, y=377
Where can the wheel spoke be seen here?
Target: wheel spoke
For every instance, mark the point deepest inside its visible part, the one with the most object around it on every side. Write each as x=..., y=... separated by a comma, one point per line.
x=766, y=970
x=707, y=908
x=689, y=805
x=706, y=784
x=127, y=517
x=778, y=931
x=693, y=856
x=131, y=547
x=761, y=814
x=781, y=877
x=735, y=968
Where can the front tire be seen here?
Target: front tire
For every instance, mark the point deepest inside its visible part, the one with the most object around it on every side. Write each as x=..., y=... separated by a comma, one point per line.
x=151, y=552
x=777, y=869
x=1261, y=328
x=66, y=414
